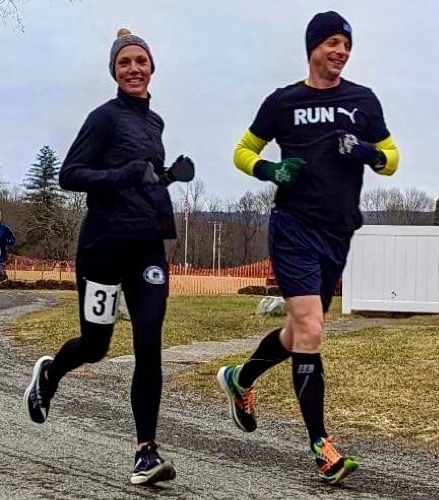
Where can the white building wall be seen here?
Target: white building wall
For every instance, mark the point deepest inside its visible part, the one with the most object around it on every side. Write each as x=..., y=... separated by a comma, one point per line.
x=393, y=268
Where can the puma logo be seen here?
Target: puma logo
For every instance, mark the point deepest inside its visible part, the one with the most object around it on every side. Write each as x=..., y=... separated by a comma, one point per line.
x=320, y=114
x=347, y=113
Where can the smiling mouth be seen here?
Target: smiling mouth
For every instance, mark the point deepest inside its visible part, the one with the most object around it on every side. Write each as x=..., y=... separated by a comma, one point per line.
x=134, y=81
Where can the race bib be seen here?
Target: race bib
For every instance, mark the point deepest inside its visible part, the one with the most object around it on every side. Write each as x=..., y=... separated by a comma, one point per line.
x=101, y=302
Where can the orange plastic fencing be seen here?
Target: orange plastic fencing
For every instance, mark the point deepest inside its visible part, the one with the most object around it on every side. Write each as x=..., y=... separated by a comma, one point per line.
x=260, y=269
x=183, y=280
x=210, y=285
x=28, y=269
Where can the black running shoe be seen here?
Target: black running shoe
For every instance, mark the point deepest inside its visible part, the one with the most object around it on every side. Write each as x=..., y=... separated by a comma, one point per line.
x=241, y=400
x=38, y=393
x=333, y=466
x=149, y=466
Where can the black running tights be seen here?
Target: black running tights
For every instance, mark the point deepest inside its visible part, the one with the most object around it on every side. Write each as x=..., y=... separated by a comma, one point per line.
x=141, y=269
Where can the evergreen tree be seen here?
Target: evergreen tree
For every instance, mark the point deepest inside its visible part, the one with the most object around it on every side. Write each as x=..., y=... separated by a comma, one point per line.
x=45, y=201
x=41, y=182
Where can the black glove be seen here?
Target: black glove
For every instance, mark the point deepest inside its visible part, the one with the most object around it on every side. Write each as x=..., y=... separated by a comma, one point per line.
x=350, y=147
x=140, y=172
x=149, y=176
x=182, y=170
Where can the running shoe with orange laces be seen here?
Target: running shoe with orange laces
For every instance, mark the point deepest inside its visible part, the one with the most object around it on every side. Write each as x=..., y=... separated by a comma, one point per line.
x=241, y=400
x=333, y=466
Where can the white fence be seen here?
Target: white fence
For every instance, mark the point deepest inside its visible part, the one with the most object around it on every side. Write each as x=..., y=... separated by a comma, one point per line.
x=393, y=268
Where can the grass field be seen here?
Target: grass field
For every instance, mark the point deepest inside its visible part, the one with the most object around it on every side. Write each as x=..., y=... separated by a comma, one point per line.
x=188, y=319
x=381, y=382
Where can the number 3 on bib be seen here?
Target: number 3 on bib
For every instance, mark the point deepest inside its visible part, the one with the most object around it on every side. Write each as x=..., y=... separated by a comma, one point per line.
x=101, y=303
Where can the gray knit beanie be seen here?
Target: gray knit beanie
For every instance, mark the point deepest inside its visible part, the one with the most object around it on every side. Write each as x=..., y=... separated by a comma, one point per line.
x=124, y=38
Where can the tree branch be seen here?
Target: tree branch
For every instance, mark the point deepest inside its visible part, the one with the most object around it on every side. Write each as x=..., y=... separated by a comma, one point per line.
x=9, y=9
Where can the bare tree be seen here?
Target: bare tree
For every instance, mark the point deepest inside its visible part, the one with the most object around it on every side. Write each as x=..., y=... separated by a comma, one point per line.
x=200, y=226
x=238, y=227
x=11, y=195
x=197, y=196
x=215, y=204
x=264, y=199
x=393, y=206
x=175, y=248
x=250, y=224
x=70, y=221
x=375, y=202
x=10, y=10
x=190, y=214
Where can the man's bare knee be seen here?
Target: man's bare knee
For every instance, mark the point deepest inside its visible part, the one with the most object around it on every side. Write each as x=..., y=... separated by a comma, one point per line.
x=305, y=323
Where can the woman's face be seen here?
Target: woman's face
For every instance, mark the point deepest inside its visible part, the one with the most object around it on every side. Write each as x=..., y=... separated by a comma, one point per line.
x=133, y=70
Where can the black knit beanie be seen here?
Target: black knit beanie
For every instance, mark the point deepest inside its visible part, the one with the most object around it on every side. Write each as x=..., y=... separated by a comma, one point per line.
x=324, y=25
x=124, y=38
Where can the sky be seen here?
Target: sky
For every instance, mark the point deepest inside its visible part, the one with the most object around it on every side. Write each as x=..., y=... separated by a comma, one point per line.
x=215, y=64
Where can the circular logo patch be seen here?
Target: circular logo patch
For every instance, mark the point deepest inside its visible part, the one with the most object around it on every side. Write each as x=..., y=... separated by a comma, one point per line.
x=154, y=275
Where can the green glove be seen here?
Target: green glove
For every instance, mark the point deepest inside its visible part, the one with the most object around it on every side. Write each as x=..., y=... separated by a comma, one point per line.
x=283, y=173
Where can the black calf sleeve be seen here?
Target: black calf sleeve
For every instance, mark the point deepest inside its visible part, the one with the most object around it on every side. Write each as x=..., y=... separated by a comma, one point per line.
x=269, y=353
x=309, y=385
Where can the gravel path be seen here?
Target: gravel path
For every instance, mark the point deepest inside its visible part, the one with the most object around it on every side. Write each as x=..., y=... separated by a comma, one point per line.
x=85, y=451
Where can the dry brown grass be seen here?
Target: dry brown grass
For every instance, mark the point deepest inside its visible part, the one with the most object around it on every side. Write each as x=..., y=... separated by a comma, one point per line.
x=188, y=319
x=381, y=382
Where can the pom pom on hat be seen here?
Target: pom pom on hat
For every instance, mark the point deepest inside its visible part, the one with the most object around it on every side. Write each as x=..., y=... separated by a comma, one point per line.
x=123, y=32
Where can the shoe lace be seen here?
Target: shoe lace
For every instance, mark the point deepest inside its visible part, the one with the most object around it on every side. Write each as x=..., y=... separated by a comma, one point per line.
x=328, y=453
x=41, y=398
x=149, y=453
x=247, y=402
x=36, y=398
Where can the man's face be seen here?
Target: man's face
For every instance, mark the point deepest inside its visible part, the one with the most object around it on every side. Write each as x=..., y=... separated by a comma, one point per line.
x=133, y=70
x=328, y=58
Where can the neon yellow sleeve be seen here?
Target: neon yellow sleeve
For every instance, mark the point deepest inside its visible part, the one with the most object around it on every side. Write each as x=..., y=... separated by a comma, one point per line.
x=390, y=150
x=247, y=151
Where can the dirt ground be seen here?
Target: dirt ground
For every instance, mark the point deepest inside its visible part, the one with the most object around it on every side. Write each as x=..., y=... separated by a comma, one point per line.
x=86, y=450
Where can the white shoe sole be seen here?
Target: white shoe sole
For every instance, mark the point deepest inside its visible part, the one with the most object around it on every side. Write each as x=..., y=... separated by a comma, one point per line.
x=35, y=374
x=163, y=472
x=230, y=396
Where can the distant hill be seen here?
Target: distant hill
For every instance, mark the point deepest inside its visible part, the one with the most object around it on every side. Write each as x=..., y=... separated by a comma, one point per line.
x=376, y=217
x=400, y=219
